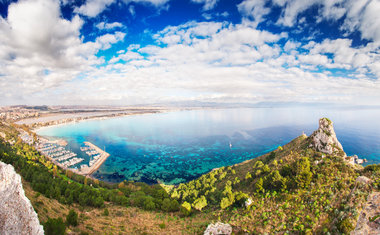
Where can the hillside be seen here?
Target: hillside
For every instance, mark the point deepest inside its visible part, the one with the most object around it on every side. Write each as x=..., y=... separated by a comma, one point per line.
x=296, y=188
x=306, y=186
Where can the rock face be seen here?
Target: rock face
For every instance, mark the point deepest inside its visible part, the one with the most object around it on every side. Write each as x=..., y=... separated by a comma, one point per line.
x=369, y=222
x=17, y=215
x=363, y=179
x=324, y=139
x=218, y=229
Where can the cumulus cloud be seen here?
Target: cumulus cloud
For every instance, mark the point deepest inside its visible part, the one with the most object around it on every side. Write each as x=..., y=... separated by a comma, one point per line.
x=223, y=62
x=40, y=50
x=108, y=26
x=207, y=4
x=92, y=8
x=359, y=15
x=202, y=61
x=254, y=9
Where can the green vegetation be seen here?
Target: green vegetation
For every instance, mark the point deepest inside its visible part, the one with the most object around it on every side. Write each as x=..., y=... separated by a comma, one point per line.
x=72, y=218
x=54, y=227
x=293, y=189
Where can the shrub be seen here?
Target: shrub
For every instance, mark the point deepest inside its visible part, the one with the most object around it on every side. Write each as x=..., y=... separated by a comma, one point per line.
x=54, y=226
x=106, y=212
x=200, y=203
x=186, y=209
x=345, y=226
x=72, y=218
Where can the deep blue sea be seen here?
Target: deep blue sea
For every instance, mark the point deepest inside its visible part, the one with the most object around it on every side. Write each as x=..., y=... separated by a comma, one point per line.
x=178, y=146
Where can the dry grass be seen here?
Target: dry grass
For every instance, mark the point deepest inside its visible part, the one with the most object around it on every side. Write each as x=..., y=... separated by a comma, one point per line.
x=121, y=220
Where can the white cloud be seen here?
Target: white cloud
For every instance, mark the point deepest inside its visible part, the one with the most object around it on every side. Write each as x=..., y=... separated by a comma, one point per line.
x=107, y=26
x=106, y=40
x=233, y=63
x=364, y=15
x=40, y=50
x=132, y=10
x=254, y=9
x=207, y=4
x=93, y=7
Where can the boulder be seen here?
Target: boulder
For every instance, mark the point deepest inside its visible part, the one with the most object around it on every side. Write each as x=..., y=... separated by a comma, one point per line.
x=17, y=215
x=218, y=229
x=363, y=179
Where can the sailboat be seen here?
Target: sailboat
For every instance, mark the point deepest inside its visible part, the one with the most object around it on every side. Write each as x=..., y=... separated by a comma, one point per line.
x=230, y=145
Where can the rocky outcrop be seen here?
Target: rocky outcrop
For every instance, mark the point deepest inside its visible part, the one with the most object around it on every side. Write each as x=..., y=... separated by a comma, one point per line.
x=363, y=180
x=17, y=215
x=369, y=220
x=218, y=229
x=324, y=139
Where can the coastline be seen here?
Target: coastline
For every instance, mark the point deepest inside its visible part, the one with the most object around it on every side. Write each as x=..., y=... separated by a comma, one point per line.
x=88, y=171
x=59, y=122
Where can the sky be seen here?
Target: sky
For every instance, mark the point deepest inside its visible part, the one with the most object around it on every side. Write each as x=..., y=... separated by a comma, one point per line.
x=138, y=52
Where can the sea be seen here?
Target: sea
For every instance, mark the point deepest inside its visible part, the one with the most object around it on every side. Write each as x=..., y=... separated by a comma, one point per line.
x=177, y=146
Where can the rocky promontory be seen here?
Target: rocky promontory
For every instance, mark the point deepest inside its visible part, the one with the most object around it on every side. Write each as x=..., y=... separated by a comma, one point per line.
x=324, y=139
x=17, y=215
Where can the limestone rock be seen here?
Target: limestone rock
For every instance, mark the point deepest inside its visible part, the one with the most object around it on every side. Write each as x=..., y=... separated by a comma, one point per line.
x=324, y=139
x=218, y=229
x=368, y=223
x=17, y=215
x=248, y=202
x=363, y=179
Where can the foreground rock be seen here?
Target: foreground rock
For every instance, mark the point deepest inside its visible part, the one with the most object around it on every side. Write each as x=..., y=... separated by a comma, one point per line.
x=369, y=220
x=218, y=229
x=324, y=139
x=17, y=215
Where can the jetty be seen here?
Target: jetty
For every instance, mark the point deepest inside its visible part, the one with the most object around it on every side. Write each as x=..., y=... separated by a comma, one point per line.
x=88, y=170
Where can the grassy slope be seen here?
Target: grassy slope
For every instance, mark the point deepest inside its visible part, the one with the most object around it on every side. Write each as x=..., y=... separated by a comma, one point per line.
x=331, y=202
x=121, y=220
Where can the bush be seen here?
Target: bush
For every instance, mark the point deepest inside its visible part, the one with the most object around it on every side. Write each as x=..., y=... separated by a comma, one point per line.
x=200, y=203
x=54, y=226
x=345, y=226
x=72, y=218
x=186, y=209
x=106, y=212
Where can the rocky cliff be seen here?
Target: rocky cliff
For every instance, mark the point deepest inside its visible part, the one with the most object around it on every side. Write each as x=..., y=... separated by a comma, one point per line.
x=324, y=139
x=17, y=215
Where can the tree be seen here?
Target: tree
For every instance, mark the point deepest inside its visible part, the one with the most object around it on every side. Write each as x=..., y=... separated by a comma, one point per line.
x=54, y=227
x=166, y=204
x=303, y=174
x=83, y=199
x=200, y=203
x=186, y=208
x=248, y=176
x=259, y=185
x=225, y=202
x=72, y=218
x=266, y=168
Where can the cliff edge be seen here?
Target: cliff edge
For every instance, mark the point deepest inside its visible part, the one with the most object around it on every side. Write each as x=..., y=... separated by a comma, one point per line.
x=17, y=215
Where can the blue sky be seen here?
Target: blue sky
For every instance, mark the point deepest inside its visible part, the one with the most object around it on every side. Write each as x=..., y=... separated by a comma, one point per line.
x=126, y=52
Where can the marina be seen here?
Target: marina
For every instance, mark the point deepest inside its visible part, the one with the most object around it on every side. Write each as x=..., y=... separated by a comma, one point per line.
x=97, y=158
x=67, y=159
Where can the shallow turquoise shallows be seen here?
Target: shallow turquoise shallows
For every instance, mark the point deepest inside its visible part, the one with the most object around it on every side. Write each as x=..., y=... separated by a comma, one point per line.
x=178, y=146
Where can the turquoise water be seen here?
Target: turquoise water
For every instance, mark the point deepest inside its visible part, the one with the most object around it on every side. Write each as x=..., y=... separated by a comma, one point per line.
x=178, y=146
